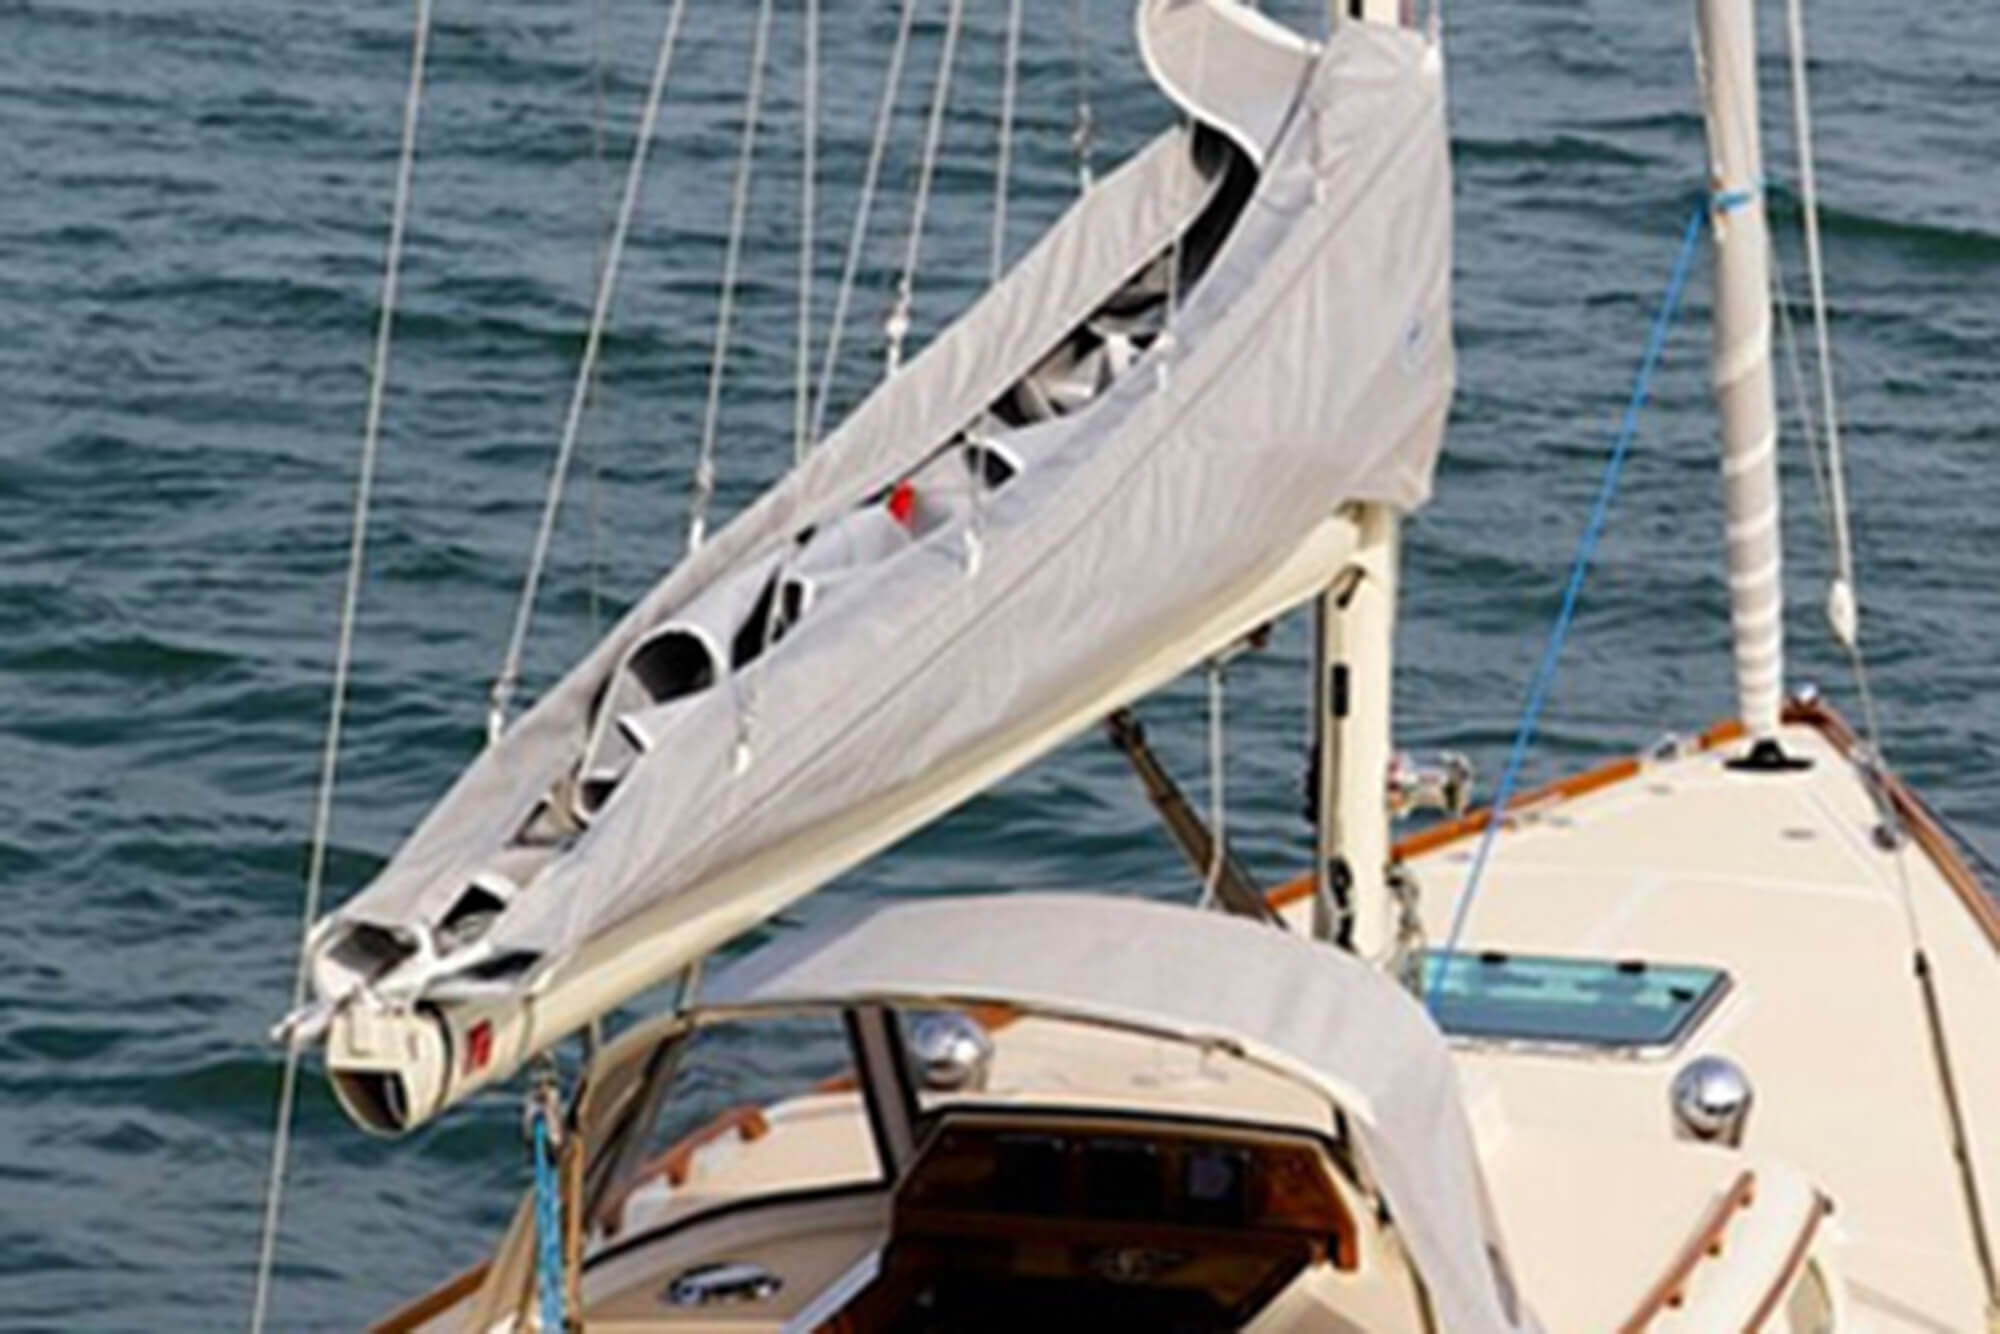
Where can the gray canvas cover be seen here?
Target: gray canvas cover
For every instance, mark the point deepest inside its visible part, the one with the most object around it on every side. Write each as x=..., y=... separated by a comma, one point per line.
x=1309, y=1009
x=1311, y=365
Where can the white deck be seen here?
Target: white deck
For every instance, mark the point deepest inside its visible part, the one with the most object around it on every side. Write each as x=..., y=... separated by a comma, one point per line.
x=1772, y=877
x=1775, y=878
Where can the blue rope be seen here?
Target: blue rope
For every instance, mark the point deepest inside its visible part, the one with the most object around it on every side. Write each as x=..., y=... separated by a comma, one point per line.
x=1538, y=694
x=548, y=1229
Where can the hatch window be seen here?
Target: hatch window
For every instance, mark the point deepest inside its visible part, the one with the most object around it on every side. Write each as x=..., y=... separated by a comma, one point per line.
x=1598, y=1004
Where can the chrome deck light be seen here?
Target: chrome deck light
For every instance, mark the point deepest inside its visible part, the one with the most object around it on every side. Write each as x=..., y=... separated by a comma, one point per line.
x=951, y=1051
x=1711, y=1099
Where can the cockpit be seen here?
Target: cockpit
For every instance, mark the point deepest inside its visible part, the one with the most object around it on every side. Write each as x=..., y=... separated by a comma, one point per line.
x=1004, y=1200
x=985, y=1137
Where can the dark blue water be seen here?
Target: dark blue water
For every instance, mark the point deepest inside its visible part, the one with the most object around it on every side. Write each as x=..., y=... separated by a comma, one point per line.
x=194, y=202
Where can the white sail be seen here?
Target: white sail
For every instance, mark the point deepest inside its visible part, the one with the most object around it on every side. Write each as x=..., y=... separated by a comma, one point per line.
x=1135, y=444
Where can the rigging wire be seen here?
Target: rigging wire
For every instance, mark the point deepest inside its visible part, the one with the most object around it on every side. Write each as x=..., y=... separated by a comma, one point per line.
x=592, y=459
x=1083, y=130
x=898, y=326
x=1544, y=679
x=1010, y=83
x=732, y=265
x=1795, y=379
x=808, y=206
x=506, y=682
x=1843, y=617
x=978, y=447
x=1840, y=602
x=857, y=241
x=343, y=658
x=747, y=713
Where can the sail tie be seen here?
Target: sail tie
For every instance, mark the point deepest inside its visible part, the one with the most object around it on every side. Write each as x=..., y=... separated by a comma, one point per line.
x=857, y=240
x=504, y=685
x=1642, y=388
x=343, y=660
x=732, y=267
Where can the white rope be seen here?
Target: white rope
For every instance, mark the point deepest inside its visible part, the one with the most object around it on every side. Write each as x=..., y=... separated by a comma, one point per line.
x=808, y=205
x=906, y=285
x=1010, y=85
x=857, y=240
x=1218, y=805
x=607, y=283
x=343, y=659
x=1843, y=550
x=732, y=264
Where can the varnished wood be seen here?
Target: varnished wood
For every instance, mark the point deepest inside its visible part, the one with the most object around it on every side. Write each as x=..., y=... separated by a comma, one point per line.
x=747, y=1123
x=432, y=1304
x=1549, y=794
x=1794, y=1262
x=1936, y=843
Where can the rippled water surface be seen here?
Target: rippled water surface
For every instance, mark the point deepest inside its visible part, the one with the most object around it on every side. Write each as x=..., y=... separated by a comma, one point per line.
x=194, y=203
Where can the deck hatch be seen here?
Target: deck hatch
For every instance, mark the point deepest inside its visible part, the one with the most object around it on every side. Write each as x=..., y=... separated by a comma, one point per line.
x=1598, y=1004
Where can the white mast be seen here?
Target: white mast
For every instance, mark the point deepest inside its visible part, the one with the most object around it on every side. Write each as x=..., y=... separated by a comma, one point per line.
x=1727, y=53
x=1353, y=679
x=1353, y=719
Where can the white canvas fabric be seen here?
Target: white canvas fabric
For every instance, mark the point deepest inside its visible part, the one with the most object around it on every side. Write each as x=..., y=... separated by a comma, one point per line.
x=1227, y=65
x=1310, y=366
x=1308, y=1009
x=1126, y=219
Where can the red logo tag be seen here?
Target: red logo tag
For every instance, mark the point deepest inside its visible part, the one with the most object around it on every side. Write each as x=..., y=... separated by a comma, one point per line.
x=478, y=1047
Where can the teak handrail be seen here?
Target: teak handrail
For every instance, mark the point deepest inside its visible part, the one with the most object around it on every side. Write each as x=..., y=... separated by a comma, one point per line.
x=1670, y=1289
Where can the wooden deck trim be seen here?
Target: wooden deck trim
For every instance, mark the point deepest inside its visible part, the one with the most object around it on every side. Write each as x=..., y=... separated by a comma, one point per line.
x=1670, y=1289
x=1936, y=843
x=434, y=1303
x=1608, y=774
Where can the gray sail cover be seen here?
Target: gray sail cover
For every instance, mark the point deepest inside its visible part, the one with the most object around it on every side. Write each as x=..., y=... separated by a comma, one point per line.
x=1315, y=1012
x=926, y=605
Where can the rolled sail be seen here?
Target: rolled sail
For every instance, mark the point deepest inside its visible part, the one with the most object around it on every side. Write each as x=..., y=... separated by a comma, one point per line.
x=1131, y=451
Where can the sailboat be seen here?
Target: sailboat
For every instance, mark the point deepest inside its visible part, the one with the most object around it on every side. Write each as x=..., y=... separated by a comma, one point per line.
x=1704, y=1058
